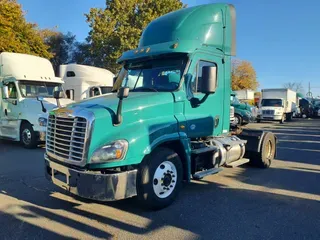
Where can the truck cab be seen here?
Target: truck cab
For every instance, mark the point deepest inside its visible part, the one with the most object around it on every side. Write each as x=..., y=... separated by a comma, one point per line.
x=27, y=95
x=244, y=113
x=82, y=81
x=167, y=122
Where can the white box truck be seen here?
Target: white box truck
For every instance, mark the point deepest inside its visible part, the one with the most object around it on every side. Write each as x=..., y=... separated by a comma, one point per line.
x=245, y=94
x=27, y=86
x=82, y=82
x=277, y=104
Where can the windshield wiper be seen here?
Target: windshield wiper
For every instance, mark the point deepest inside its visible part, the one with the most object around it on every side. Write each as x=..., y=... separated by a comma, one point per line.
x=144, y=88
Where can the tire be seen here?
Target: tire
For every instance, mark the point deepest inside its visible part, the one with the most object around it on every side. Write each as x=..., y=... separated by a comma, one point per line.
x=264, y=158
x=258, y=120
x=282, y=119
x=238, y=120
x=157, y=172
x=28, y=137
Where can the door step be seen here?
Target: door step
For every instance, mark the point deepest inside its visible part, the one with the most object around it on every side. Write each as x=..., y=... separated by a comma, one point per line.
x=202, y=174
x=237, y=163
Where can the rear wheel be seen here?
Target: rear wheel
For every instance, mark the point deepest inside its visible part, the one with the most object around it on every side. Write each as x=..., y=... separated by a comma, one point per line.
x=267, y=152
x=28, y=136
x=159, y=179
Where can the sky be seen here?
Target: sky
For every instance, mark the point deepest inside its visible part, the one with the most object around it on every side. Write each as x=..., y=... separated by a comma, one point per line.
x=280, y=38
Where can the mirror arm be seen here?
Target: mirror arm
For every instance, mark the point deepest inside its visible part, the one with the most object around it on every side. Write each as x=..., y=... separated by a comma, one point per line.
x=43, y=108
x=196, y=102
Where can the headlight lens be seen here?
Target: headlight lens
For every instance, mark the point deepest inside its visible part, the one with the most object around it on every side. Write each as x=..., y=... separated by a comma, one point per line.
x=278, y=113
x=248, y=114
x=42, y=121
x=112, y=152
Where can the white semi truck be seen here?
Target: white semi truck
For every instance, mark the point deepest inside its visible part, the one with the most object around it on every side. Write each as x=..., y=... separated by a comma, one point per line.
x=27, y=86
x=277, y=104
x=82, y=82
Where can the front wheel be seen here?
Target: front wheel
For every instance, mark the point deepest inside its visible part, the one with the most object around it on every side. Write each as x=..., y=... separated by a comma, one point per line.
x=238, y=120
x=159, y=179
x=27, y=136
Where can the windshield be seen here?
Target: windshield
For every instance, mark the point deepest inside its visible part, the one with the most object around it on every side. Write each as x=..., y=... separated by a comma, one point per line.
x=158, y=75
x=33, y=89
x=105, y=90
x=271, y=103
x=234, y=100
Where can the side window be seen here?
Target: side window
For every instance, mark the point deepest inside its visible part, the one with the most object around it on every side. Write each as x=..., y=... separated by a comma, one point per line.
x=70, y=94
x=94, y=92
x=71, y=74
x=197, y=82
x=12, y=90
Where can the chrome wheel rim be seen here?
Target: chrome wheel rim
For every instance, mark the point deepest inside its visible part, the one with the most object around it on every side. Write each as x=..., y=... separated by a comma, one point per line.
x=26, y=136
x=236, y=120
x=269, y=149
x=164, y=179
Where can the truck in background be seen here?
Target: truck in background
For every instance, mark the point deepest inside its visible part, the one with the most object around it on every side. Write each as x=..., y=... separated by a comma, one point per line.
x=245, y=94
x=171, y=124
x=244, y=113
x=27, y=91
x=277, y=104
x=82, y=81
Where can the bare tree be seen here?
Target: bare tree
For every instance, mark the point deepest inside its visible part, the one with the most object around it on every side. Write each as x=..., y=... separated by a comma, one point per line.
x=294, y=86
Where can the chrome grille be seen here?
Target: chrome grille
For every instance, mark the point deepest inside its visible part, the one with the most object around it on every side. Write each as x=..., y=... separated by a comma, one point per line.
x=66, y=138
x=270, y=112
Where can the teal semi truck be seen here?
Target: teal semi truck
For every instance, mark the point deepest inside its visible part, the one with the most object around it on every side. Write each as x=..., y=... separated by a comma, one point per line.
x=244, y=113
x=167, y=121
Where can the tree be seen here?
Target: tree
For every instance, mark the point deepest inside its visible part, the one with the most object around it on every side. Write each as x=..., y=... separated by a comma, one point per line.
x=243, y=76
x=17, y=35
x=294, y=86
x=118, y=27
x=61, y=46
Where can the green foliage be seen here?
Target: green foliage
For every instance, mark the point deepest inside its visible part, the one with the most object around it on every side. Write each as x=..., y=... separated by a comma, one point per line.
x=243, y=76
x=118, y=27
x=61, y=46
x=17, y=35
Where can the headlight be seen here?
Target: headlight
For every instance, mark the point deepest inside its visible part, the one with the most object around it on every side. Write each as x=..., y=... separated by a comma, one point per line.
x=278, y=113
x=112, y=152
x=42, y=121
x=248, y=114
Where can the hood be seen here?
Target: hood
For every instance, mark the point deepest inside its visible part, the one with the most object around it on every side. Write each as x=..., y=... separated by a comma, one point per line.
x=49, y=103
x=243, y=106
x=136, y=101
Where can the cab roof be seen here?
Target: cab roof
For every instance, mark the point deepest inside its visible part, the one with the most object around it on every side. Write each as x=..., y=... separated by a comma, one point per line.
x=186, y=30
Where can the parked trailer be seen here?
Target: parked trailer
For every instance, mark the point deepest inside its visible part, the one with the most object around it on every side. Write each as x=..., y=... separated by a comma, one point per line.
x=245, y=94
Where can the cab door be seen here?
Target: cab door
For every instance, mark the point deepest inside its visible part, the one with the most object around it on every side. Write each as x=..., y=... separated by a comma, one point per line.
x=206, y=119
x=9, y=117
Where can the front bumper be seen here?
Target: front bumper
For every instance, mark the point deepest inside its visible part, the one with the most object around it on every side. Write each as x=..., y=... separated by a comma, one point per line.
x=92, y=185
x=270, y=117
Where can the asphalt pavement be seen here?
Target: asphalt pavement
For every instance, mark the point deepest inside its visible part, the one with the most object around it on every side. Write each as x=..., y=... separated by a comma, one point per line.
x=282, y=202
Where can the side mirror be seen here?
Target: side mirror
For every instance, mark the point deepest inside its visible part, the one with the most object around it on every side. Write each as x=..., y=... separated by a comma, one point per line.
x=123, y=92
x=58, y=94
x=208, y=83
x=5, y=92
